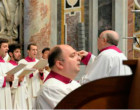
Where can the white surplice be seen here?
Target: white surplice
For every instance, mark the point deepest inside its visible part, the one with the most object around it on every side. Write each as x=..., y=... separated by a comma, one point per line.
x=108, y=63
x=5, y=92
x=33, y=83
x=19, y=92
x=46, y=72
x=54, y=90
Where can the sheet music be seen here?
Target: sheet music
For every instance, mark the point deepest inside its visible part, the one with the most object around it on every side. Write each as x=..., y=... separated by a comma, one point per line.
x=16, y=69
x=40, y=64
x=26, y=72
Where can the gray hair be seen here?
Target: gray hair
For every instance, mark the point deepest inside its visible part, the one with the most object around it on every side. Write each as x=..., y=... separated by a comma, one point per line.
x=111, y=39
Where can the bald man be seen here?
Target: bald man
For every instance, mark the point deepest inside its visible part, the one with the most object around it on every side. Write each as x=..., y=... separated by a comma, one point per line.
x=108, y=63
x=64, y=62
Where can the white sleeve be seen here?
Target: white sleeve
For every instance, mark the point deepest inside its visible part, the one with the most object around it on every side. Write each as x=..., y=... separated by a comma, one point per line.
x=1, y=81
x=98, y=69
x=15, y=82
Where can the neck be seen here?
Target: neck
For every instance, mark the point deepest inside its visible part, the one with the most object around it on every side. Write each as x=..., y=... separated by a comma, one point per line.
x=12, y=59
x=13, y=62
x=31, y=57
x=1, y=57
x=107, y=45
x=59, y=77
x=65, y=74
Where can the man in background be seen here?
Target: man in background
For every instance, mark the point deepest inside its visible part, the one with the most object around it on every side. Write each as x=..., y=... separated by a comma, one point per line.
x=19, y=95
x=5, y=92
x=45, y=53
x=34, y=79
x=108, y=63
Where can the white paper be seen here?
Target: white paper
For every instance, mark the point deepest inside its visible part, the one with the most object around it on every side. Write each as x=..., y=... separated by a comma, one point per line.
x=26, y=72
x=16, y=69
x=40, y=64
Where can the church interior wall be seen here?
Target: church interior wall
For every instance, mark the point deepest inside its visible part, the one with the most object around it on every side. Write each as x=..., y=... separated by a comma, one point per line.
x=51, y=22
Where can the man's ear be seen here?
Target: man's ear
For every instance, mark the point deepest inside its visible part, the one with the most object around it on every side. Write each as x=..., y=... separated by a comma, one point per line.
x=105, y=39
x=28, y=51
x=59, y=64
x=10, y=54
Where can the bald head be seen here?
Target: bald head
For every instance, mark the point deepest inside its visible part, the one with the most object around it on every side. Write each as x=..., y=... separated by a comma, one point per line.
x=111, y=36
x=56, y=53
x=65, y=60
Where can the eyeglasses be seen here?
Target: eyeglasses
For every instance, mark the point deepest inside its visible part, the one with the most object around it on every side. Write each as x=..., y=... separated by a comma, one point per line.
x=61, y=59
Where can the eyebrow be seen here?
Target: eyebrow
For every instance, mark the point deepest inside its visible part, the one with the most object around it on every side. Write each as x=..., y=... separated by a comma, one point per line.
x=73, y=53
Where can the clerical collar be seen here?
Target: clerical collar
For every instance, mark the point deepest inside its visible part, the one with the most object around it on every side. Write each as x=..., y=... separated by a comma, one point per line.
x=59, y=77
x=13, y=62
x=28, y=59
x=112, y=47
x=1, y=59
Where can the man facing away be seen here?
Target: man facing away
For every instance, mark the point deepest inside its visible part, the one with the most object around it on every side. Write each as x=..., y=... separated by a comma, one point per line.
x=108, y=63
x=19, y=95
x=5, y=92
x=64, y=62
x=34, y=79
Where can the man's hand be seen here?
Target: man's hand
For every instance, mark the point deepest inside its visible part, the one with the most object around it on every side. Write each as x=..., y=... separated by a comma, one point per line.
x=82, y=53
x=41, y=70
x=9, y=78
x=21, y=78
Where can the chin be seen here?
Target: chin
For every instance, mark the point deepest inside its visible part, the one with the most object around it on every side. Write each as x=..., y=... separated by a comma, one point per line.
x=78, y=70
x=4, y=55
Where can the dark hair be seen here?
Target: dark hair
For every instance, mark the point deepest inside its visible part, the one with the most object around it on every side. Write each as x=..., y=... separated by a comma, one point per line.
x=111, y=39
x=29, y=45
x=13, y=47
x=3, y=40
x=45, y=49
x=54, y=55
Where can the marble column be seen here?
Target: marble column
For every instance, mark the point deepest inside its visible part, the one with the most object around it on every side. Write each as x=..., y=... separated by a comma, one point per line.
x=93, y=26
x=120, y=22
x=37, y=24
x=130, y=28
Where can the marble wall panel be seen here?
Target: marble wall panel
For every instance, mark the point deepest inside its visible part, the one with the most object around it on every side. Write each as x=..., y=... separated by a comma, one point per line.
x=37, y=24
x=130, y=29
x=136, y=45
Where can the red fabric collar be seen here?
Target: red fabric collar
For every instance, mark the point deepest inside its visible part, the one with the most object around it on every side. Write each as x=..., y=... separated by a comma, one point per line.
x=28, y=59
x=112, y=47
x=13, y=62
x=1, y=59
x=59, y=77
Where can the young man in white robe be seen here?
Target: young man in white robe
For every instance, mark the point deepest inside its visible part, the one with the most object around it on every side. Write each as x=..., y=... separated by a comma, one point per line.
x=5, y=91
x=108, y=63
x=19, y=92
x=34, y=80
x=64, y=62
x=45, y=53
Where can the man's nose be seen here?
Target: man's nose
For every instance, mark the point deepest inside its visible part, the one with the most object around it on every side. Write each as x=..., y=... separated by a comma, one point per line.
x=79, y=58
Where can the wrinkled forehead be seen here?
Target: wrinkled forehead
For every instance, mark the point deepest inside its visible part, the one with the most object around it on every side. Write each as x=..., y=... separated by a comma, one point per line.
x=66, y=49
